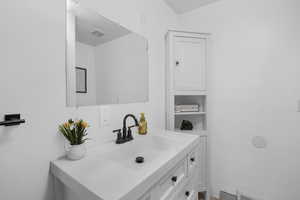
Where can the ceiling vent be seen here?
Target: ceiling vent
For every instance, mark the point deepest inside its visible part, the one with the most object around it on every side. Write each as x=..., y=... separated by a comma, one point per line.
x=97, y=33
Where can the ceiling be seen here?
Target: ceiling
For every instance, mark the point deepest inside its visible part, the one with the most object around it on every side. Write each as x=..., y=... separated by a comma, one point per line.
x=182, y=6
x=94, y=29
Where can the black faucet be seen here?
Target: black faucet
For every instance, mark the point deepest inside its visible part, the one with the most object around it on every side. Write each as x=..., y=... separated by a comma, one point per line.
x=126, y=135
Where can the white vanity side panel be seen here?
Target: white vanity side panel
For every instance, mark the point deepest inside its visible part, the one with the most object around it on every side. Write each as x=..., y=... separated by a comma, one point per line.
x=64, y=184
x=203, y=163
x=70, y=194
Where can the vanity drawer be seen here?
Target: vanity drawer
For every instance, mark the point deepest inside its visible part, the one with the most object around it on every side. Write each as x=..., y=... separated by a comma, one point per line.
x=146, y=197
x=188, y=192
x=193, y=160
x=172, y=180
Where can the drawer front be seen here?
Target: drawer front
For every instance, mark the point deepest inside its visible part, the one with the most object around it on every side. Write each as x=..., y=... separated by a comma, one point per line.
x=172, y=180
x=189, y=192
x=146, y=197
x=193, y=161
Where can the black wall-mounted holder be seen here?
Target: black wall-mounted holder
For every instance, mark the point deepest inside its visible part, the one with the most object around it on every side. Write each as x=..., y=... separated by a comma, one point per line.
x=12, y=120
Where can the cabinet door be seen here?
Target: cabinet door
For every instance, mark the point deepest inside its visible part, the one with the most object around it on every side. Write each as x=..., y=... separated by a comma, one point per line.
x=189, y=64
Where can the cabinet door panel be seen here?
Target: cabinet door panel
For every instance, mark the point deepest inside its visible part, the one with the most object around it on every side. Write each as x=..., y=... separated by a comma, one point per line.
x=189, y=63
x=168, y=184
x=188, y=192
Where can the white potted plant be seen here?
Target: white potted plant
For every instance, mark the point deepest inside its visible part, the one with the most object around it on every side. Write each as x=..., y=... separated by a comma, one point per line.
x=75, y=133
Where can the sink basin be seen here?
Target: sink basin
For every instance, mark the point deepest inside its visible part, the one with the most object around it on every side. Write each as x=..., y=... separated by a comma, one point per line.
x=111, y=172
x=149, y=147
x=153, y=148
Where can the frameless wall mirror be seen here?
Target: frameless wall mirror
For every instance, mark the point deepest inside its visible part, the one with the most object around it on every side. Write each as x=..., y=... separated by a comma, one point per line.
x=105, y=62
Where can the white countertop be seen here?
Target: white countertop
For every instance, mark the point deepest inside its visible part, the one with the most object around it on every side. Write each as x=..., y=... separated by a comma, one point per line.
x=110, y=172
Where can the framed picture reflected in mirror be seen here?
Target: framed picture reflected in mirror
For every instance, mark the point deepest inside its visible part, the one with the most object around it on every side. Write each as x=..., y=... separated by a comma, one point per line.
x=81, y=80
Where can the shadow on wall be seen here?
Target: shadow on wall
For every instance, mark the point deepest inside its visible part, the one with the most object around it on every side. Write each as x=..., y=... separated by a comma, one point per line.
x=49, y=193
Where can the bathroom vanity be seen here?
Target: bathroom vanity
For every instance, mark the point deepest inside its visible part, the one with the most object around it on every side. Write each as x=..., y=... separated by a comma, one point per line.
x=110, y=172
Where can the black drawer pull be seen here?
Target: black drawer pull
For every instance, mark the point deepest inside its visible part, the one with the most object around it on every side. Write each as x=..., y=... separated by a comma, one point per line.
x=174, y=179
x=192, y=159
x=187, y=193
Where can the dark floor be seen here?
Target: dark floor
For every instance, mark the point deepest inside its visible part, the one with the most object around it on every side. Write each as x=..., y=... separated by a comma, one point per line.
x=201, y=196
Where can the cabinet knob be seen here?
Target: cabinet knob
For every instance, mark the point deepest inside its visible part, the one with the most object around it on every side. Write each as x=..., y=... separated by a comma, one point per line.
x=174, y=179
x=177, y=63
x=187, y=193
x=192, y=159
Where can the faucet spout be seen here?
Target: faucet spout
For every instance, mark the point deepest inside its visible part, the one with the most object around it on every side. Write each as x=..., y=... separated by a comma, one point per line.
x=133, y=117
x=128, y=136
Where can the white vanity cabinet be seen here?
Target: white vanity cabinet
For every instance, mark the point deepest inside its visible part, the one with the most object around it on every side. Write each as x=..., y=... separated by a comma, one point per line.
x=109, y=172
x=180, y=183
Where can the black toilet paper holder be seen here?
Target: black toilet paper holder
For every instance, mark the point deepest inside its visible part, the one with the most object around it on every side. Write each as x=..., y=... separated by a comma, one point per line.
x=12, y=120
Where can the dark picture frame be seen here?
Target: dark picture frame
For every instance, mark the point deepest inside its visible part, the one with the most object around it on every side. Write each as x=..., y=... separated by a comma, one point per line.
x=81, y=80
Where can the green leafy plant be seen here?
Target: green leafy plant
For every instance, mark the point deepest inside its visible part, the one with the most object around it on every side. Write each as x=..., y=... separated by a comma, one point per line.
x=74, y=132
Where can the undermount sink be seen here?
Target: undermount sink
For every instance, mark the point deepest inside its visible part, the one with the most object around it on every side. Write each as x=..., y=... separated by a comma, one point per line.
x=111, y=171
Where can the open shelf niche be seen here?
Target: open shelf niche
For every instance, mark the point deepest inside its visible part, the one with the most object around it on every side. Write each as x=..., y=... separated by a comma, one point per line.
x=198, y=119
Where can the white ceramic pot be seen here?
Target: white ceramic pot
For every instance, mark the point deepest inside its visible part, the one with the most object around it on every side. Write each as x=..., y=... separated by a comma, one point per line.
x=76, y=152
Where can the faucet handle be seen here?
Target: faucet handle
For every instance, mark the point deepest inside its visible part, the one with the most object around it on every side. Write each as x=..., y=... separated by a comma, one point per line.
x=129, y=133
x=119, y=137
x=117, y=131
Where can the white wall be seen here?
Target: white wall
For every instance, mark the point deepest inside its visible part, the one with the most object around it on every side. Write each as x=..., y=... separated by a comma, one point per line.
x=32, y=82
x=122, y=70
x=254, y=87
x=70, y=51
x=85, y=58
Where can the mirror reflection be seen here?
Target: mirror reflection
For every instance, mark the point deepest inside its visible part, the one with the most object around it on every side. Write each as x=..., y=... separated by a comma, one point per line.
x=106, y=63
